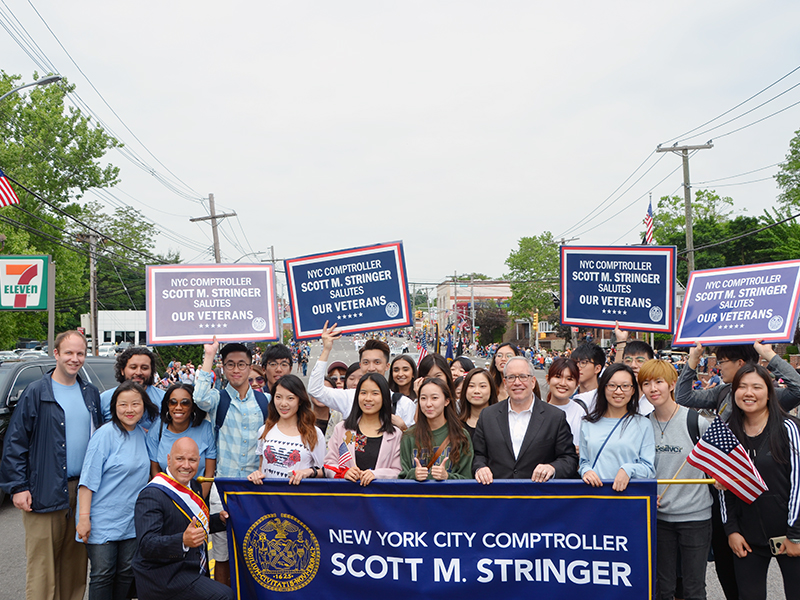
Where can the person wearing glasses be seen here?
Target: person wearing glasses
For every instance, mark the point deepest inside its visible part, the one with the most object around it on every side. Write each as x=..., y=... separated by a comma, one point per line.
x=522, y=437
x=634, y=354
x=244, y=411
x=502, y=355
x=337, y=372
x=590, y=359
x=181, y=418
x=277, y=362
x=616, y=442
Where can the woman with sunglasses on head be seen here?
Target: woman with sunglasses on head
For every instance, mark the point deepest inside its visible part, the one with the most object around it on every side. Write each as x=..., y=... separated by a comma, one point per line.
x=616, y=442
x=367, y=435
x=771, y=438
x=502, y=355
x=181, y=418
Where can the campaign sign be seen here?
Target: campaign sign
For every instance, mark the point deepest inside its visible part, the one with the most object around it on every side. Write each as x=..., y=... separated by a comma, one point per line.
x=634, y=285
x=189, y=304
x=449, y=541
x=735, y=305
x=361, y=289
x=23, y=282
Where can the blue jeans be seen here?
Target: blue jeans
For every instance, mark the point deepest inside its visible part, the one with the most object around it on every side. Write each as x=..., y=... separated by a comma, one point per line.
x=693, y=538
x=110, y=572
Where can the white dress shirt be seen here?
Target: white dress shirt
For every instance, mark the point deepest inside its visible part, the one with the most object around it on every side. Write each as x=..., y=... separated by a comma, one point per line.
x=518, y=425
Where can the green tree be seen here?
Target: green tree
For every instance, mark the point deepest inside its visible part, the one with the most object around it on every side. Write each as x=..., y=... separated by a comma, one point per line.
x=55, y=151
x=533, y=274
x=788, y=177
x=491, y=321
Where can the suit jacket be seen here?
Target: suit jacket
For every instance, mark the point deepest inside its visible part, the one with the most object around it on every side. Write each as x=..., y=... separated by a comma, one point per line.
x=548, y=439
x=388, y=465
x=161, y=567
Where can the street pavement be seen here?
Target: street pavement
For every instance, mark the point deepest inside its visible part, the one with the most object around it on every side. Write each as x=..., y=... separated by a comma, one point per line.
x=12, y=549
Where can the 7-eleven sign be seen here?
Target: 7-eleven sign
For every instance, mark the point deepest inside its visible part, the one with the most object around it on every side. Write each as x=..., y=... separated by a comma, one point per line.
x=23, y=282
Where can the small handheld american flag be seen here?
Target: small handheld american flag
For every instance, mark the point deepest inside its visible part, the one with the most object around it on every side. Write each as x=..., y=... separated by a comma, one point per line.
x=423, y=351
x=344, y=455
x=720, y=454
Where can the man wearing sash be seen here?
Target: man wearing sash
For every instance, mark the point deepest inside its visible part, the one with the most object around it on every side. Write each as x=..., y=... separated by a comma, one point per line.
x=172, y=527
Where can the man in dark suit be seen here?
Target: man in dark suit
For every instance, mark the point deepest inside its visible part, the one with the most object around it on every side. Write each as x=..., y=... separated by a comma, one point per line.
x=170, y=562
x=523, y=437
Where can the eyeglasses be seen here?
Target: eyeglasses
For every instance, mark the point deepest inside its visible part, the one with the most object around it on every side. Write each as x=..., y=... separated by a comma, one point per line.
x=336, y=378
x=256, y=379
x=240, y=365
x=625, y=387
x=584, y=362
x=640, y=360
x=506, y=356
x=723, y=361
x=523, y=378
x=279, y=363
x=184, y=402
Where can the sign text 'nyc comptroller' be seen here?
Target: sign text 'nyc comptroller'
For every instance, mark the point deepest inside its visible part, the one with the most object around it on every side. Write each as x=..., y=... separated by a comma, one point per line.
x=632, y=285
x=193, y=303
x=361, y=289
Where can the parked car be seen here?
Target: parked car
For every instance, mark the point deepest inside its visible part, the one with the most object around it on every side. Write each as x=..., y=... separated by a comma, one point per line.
x=15, y=377
x=107, y=349
x=8, y=355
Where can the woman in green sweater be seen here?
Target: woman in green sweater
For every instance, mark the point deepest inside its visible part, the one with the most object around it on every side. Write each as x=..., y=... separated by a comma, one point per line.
x=437, y=447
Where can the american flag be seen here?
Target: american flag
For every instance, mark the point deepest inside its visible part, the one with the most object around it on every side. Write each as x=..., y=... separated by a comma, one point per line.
x=7, y=194
x=648, y=222
x=344, y=455
x=423, y=351
x=720, y=454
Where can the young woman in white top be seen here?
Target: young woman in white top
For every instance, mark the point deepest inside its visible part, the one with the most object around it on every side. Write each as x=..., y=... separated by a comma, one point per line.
x=290, y=446
x=562, y=380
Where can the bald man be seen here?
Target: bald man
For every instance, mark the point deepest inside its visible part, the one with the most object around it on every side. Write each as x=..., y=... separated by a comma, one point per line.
x=172, y=527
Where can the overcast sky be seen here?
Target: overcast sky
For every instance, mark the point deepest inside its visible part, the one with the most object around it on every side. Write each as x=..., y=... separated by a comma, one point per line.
x=455, y=126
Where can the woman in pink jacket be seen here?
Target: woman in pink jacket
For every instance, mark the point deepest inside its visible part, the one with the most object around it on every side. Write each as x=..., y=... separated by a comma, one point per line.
x=366, y=445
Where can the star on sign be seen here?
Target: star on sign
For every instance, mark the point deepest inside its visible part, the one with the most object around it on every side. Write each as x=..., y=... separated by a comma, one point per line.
x=624, y=312
x=360, y=314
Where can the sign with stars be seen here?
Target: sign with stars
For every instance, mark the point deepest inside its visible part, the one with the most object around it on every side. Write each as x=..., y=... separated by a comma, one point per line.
x=634, y=285
x=190, y=304
x=361, y=289
x=736, y=305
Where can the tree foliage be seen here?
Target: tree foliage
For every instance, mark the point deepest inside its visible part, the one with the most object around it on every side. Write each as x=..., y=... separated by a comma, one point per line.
x=788, y=177
x=491, y=321
x=533, y=274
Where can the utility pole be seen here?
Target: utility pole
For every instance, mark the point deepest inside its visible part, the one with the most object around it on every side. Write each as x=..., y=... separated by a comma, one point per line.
x=687, y=193
x=213, y=218
x=455, y=299
x=91, y=239
x=472, y=306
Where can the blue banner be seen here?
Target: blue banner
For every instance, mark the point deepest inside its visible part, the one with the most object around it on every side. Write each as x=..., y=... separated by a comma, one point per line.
x=361, y=289
x=632, y=285
x=735, y=305
x=453, y=540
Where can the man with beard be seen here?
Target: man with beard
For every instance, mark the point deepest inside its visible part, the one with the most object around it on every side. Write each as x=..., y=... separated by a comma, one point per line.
x=138, y=364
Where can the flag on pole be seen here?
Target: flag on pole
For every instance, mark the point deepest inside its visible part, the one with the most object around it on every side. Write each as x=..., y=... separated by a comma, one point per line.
x=449, y=352
x=7, y=194
x=423, y=351
x=648, y=223
x=720, y=454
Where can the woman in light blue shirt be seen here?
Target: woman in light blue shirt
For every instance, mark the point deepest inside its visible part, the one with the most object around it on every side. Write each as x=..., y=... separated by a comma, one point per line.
x=181, y=418
x=115, y=470
x=616, y=442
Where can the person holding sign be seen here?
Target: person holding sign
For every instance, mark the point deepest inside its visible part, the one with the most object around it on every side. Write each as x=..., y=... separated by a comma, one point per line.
x=366, y=445
x=684, y=511
x=437, y=447
x=616, y=441
x=374, y=358
x=771, y=523
x=523, y=437
x=720, y=399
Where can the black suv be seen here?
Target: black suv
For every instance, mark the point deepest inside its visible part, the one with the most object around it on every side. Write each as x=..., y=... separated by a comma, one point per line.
x=16, y=375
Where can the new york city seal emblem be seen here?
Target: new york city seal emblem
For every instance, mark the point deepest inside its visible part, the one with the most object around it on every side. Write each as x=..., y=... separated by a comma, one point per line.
x=281, y=552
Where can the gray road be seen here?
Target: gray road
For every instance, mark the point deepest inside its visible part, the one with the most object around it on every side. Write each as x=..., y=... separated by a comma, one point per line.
x=12, y=549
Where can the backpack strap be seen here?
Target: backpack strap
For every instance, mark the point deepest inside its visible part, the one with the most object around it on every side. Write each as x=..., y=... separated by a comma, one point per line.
x=263, y=403
x=693, y=424
x=582, y=404
x=222, y=411
x=395, y=399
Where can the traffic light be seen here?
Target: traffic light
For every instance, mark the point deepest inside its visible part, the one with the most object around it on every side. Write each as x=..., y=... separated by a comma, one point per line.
x=418, y=314
x=536, y=321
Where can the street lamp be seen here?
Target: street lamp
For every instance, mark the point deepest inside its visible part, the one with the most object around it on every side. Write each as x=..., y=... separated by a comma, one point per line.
x=43, y=81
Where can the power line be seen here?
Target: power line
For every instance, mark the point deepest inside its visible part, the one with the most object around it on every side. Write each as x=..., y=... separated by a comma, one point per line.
x=744, y=235
x=735, y=176
x=706, y=187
